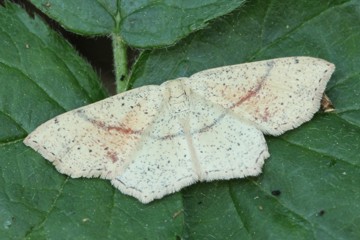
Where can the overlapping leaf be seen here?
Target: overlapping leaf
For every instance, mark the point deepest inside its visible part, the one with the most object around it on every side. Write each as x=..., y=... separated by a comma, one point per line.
x=139, y=23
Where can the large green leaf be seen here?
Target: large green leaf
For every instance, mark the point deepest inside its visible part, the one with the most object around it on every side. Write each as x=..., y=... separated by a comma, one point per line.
x=141, y=23
x=315, y=167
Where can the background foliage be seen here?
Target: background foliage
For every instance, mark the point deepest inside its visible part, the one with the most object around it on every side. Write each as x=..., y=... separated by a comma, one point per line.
x=316, y=166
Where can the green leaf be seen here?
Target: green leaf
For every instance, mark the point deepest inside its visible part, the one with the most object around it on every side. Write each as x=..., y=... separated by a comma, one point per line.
x=140, y=23
x=315, y=167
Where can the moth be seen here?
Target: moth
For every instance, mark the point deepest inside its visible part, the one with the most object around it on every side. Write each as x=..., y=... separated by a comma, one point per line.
x=154, y=140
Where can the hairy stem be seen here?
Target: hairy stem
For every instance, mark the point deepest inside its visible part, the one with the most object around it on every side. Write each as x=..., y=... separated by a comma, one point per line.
x=120, y=57
x=120, y=64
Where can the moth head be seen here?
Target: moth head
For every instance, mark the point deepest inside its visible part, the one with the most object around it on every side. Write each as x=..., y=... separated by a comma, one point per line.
x=177, y=95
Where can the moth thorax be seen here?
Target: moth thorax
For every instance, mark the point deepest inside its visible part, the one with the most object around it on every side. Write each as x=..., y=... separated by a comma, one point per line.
x=178, y=96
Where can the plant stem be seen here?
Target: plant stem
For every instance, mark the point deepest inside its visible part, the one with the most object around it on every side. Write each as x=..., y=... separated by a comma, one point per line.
x=120, y=63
